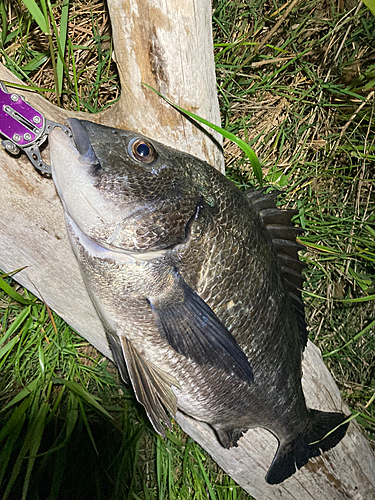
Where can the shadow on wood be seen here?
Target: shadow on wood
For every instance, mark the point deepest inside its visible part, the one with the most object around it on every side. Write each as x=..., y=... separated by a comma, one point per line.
x=173, y=53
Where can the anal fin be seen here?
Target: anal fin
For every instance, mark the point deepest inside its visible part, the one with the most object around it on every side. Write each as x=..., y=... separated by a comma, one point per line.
x=118, y=356
x=152, y=387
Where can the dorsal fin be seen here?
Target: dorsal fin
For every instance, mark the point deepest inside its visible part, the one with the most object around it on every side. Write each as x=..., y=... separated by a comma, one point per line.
x=283, y=234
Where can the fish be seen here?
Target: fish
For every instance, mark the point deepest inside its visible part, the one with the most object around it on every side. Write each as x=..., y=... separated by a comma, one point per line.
x=198, y=286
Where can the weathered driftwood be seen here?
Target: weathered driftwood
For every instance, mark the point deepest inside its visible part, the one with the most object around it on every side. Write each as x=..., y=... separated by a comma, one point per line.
x=169, y=46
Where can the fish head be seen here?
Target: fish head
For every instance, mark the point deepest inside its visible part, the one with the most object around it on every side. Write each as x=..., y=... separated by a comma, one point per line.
x=123, y=190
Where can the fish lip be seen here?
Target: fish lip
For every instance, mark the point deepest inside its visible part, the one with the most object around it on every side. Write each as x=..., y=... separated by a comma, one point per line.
x=60, y=137
x=82, y=142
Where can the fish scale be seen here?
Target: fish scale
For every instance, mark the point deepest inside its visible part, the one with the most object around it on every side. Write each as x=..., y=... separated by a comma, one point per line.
x=198, y=287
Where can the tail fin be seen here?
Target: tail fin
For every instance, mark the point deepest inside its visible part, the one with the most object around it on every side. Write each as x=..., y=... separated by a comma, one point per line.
x=297, y=453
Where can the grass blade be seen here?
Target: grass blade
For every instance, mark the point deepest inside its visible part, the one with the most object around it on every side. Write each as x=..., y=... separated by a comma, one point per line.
x=205, y=475
x=87, y=425
x=29, y=442
x=58, y=473
x=12, y=293
x=12, y=429
x=257, y=169
x=80, y=391
x=7, y=348
x=37, y=15
x=30, y=388
x=15, y=324
x=12, y=273
x=62, y=43
x=61, y=37
x=356, y=337
x=36, y=434
x=358, y=299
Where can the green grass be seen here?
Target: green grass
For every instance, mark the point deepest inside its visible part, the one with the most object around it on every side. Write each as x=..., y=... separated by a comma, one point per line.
x=302, y=97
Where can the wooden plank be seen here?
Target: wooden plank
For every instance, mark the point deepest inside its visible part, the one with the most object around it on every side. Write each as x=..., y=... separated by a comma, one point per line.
x=173, y=53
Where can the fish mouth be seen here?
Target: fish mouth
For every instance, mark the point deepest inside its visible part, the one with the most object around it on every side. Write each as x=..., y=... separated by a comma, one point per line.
x=82, y=142
x=78, y=146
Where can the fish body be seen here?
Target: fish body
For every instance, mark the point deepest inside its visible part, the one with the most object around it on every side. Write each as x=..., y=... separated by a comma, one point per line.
x=197, y=285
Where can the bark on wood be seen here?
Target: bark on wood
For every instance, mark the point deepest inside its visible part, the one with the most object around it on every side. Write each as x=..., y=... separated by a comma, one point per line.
x=169, y=46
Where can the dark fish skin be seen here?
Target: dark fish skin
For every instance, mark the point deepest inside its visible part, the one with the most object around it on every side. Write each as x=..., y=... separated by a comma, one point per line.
x=190, y=277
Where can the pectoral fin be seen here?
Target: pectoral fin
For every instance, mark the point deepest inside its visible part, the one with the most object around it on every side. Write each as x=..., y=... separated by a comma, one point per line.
x=193, y=330
x=152, y=387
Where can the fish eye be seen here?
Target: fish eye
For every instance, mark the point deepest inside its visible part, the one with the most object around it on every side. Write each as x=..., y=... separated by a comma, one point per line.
x=141, y=150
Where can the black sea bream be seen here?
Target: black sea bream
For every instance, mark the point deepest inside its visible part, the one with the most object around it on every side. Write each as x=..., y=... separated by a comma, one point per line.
x=197, y=285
